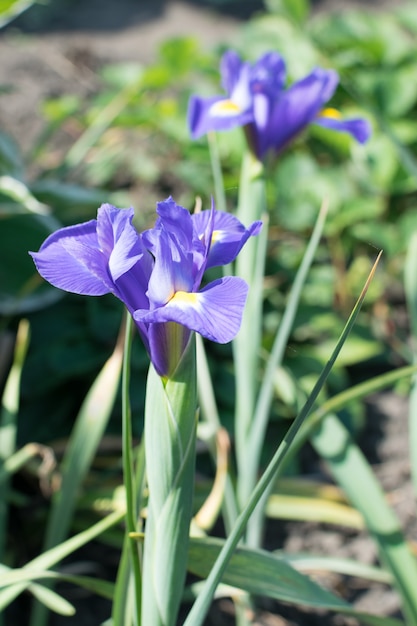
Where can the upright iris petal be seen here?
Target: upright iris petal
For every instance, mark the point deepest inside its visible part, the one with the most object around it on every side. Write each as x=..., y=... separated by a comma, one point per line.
x=272, y=115
x=156, y=274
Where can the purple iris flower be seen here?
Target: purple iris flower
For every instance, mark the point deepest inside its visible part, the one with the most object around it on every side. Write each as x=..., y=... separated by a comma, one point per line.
x=271, y=114
x=157, y=274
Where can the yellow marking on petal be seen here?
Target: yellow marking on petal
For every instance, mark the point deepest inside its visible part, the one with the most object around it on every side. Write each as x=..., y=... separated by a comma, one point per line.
x=334, y=113
x=185, y=297
x=225, y=108
x=216, y=235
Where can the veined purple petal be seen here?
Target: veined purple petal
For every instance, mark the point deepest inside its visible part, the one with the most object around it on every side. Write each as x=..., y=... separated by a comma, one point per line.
x=297, y=107
x=173, y=270
x=215, y=312
x=228, y=236
x=215, y=113
x=71, y=259
x=359, y=128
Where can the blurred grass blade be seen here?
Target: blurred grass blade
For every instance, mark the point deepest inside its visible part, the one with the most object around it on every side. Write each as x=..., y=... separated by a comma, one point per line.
x=101, y=123
x=264, y=574
x=10, y=9
x=84, y=441
x=52, y=600
x=51, y=557
x=8, y=423
x=410, y=285
x=338, y=565
x=201, y=605
x=13, y=576
x=18, y=191
x=353, y=473
x=293, y=507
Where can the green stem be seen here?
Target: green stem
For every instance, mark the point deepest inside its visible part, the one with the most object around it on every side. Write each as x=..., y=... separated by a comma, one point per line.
x=257, y=433
x=250, y=266
x=128, y=472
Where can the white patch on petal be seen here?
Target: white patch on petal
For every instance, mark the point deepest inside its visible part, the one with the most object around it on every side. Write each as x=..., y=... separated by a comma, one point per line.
x=225, y=108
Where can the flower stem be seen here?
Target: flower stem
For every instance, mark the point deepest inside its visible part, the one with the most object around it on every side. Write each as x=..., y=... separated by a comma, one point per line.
x=128, y=473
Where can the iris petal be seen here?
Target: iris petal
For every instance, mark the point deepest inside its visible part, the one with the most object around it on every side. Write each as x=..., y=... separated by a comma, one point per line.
x=202, y=116
x=70, y=259
x=215, y=312
x=359, y=128
x=228, y=236
x=118, y=238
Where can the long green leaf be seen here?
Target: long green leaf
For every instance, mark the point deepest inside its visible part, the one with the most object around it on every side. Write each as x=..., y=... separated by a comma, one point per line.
x=103, y=588
x=170, y=434
x=354, y=474
x=347, y=567
x=55, y=555
x=201, y=605
x=264, y=574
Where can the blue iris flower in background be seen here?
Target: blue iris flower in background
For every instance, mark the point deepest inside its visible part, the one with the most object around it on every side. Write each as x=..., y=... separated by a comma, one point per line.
x=157, y=274
x=272, y=114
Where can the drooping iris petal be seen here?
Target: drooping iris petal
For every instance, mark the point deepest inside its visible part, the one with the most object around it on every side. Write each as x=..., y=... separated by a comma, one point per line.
x=71, y=259
x=215, y=312
x=216, y=113
x=359, y=128
x=220, y=112
x=296, y=107
x=227, y=238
